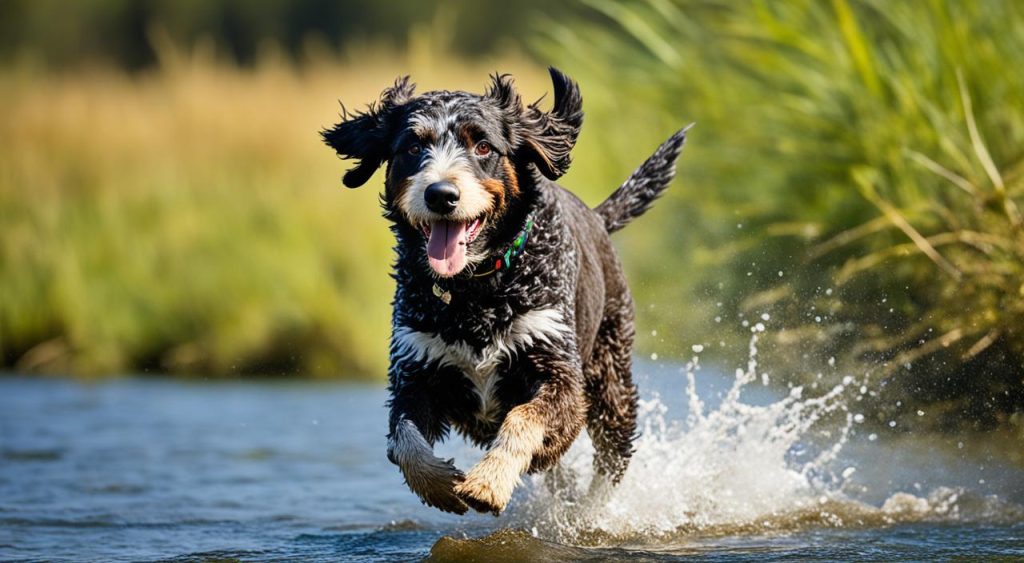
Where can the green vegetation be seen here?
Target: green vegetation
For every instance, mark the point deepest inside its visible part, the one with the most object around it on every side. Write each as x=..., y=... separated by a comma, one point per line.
x=856, y=173
x=873, y=153
x=190, y=219
x=61, y=34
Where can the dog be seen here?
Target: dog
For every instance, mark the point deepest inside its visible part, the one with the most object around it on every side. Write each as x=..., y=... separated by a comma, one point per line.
x=512, y=321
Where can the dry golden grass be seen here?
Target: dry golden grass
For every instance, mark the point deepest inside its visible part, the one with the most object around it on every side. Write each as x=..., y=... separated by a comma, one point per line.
x=189, y=219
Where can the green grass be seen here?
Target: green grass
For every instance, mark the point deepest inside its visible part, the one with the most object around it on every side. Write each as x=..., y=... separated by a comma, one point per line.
x=856, y=171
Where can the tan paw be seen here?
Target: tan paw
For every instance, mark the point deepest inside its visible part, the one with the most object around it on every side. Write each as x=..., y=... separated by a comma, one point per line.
x=481, y=495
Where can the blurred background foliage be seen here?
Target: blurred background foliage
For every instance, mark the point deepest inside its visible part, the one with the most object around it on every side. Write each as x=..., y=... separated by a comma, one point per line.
x=855, y=176
x=868, y=155
x=63, y=34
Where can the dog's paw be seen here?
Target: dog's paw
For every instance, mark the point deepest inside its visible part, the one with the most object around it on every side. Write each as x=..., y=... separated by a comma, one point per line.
x=435, y=484
x=481, y=495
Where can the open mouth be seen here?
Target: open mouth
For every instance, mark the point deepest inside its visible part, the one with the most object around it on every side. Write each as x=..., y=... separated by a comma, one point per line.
x=447, y=242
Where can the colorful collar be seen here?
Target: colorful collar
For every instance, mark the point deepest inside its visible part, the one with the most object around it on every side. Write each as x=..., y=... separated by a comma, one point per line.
x=503, y=262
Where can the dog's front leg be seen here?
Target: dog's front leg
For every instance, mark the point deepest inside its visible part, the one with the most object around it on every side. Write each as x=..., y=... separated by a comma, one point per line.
x=533, y=436
x=433, y=479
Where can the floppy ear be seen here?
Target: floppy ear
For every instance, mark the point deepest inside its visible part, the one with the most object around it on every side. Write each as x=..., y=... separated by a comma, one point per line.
x=366, y=135
x=548, y=138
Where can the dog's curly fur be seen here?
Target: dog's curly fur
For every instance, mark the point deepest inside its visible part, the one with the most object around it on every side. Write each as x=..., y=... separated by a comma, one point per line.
x=521, y=359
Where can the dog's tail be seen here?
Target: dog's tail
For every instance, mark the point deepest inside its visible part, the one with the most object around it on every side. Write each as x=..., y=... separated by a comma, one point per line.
x=638, y=192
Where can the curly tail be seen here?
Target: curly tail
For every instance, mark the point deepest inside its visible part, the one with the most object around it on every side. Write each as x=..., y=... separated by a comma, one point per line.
x=638, y=192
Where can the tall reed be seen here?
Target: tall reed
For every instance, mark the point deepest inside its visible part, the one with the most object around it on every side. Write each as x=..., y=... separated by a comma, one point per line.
x=856, y=171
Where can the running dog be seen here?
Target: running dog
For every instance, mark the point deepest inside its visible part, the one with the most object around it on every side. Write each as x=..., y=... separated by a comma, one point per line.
x=512, y=320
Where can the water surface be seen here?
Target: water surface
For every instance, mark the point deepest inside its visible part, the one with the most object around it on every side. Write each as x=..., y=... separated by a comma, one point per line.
x=154, y=469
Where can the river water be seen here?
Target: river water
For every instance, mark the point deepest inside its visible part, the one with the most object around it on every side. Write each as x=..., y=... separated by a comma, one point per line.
x=726, y=469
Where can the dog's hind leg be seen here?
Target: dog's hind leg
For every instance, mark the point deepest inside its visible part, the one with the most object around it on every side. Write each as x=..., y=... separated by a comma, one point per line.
x=612, y=396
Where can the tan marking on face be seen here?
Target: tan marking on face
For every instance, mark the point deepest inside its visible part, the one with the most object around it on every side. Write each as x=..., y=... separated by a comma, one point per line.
x=466, y=134
x=502, y=191
x=425, y=134
x=512, y=181
x=497, y=190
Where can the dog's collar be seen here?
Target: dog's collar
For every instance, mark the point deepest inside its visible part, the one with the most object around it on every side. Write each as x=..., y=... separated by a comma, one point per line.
x=503, y=262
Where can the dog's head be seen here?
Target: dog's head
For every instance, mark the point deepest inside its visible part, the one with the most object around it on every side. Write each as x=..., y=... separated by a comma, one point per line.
x=456, y=161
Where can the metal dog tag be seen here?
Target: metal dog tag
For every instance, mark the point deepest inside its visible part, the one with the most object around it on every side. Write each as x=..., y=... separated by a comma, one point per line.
x=443, y=295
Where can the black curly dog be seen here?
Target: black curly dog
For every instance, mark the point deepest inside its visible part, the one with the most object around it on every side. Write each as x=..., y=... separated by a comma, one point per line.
x=512, y=320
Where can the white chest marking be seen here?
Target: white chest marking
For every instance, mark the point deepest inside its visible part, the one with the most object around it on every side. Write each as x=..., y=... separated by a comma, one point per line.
x=481, y=366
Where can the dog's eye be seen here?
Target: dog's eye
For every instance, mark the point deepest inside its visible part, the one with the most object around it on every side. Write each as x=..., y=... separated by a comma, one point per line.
x=414, y=149
x=483, y=148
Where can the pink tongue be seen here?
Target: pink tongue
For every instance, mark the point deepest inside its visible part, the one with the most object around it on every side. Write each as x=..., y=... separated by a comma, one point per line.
x=446, y=249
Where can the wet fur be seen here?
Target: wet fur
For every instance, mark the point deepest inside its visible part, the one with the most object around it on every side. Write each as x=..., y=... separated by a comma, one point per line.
x=522, y=360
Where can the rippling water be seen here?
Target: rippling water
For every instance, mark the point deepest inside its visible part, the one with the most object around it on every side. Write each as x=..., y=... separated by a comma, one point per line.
x=142, y=469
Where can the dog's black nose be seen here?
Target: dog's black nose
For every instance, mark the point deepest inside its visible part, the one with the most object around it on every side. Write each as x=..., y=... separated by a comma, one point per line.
x=441, y=197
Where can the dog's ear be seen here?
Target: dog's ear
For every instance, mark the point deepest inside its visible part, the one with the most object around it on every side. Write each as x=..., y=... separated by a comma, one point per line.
x=503, y=93
x=544, y=138
x=366, y=135
x=548, y=138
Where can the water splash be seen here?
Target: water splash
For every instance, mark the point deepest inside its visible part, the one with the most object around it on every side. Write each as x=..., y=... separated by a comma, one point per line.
x=738, y=467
